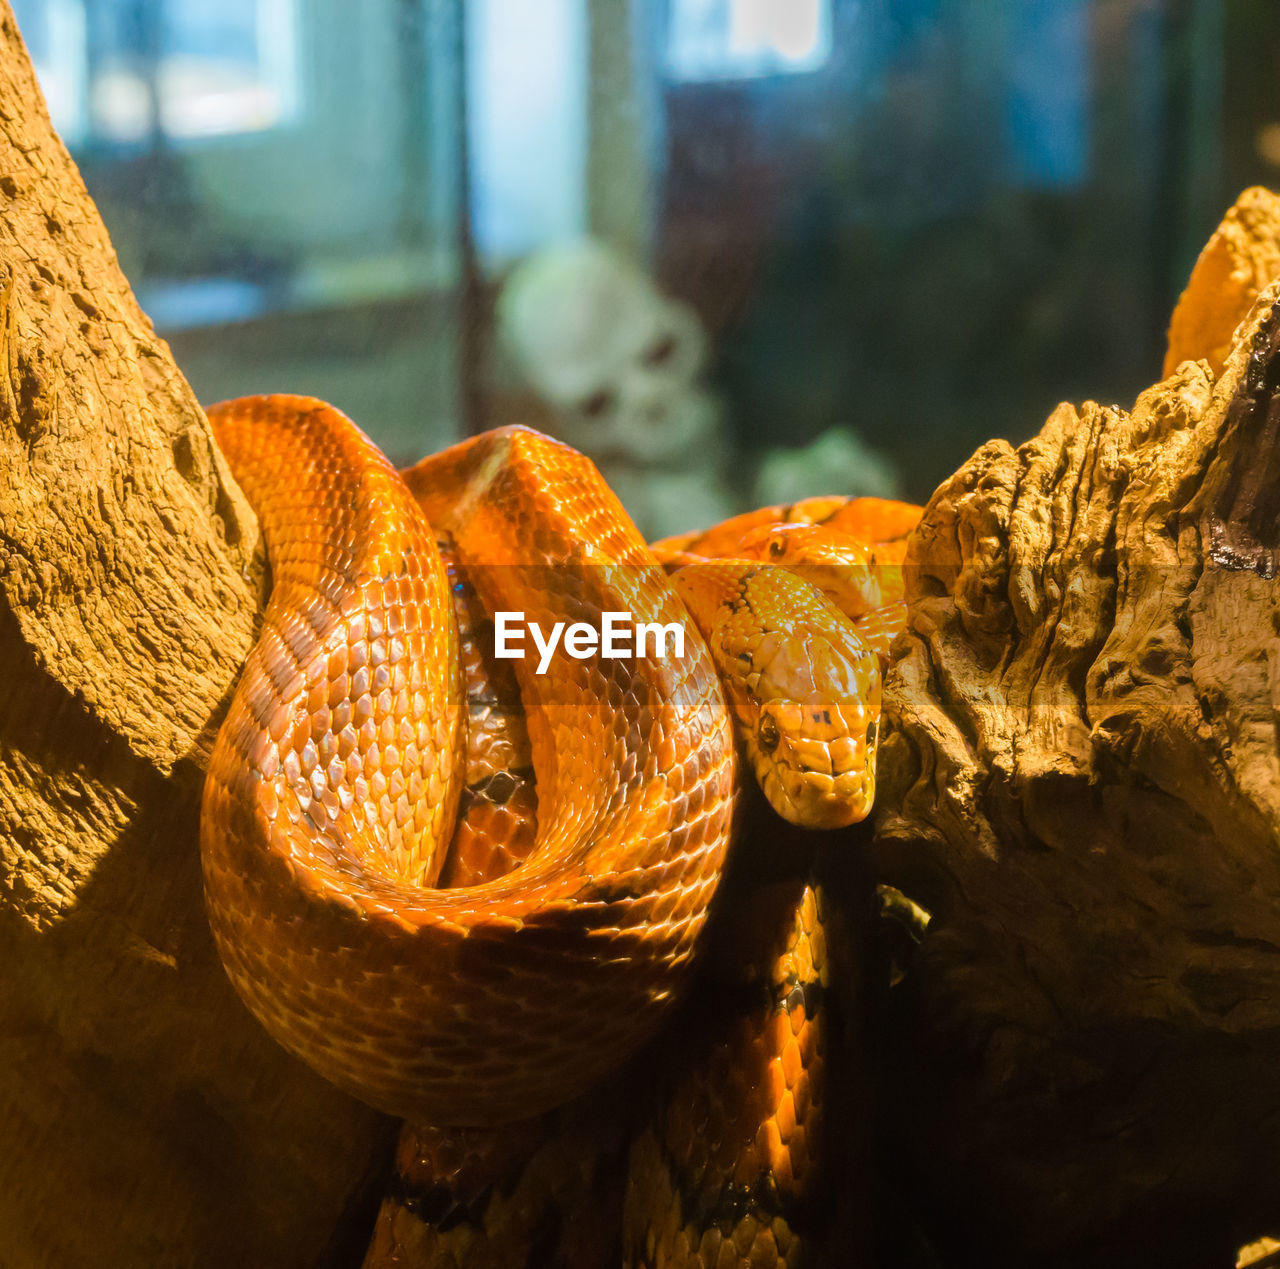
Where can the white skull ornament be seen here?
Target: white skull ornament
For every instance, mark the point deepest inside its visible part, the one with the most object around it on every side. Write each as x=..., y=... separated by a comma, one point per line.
x=619, y=364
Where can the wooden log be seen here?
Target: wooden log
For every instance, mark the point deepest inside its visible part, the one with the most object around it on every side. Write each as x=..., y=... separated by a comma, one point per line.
x=1080, y=780
x=145, y=1117
x=1237, y=262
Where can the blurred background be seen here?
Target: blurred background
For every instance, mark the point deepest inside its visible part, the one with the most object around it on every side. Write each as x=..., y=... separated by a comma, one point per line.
x=737, y=250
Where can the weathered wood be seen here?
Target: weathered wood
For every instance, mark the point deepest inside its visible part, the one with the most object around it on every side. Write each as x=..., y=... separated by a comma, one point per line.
x=1237, y=262
x=1081, y=782
x=145, y=1118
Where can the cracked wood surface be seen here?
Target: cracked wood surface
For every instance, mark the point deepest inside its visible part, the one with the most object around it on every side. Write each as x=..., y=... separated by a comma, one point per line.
x=145, y=1117
x=1080, y=778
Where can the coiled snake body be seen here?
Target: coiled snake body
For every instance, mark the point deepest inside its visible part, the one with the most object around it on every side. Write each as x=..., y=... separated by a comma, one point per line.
x=334, y=785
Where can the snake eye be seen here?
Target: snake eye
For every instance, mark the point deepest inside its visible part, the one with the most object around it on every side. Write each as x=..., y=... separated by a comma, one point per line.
x=777, y=547
x=768, y=735
x=872, y=732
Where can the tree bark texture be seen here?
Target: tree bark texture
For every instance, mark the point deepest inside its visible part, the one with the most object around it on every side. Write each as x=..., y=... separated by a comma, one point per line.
x=1080, y=781
x=145, y=1117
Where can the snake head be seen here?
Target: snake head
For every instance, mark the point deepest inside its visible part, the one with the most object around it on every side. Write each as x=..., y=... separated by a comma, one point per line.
x=803, y=686
x=844, y=569
x=813, y=740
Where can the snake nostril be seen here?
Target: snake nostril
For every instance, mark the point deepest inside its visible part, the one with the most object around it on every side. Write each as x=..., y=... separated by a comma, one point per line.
x=872, y=731
x=768, y=735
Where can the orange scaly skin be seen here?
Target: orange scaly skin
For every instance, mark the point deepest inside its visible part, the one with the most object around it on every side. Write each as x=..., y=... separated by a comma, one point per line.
x=497, y=813
x=728, y=1165
x=331, y=804
x=733, y=1168
x=333, y=782
x=803, y=687
x=545, y=1194
x=851, y=548
x=874, y=521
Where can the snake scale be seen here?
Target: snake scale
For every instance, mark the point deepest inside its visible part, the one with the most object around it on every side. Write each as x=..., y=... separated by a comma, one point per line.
x=464, y=891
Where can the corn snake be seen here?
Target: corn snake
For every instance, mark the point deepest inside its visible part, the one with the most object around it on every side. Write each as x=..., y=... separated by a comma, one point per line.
x=334, y=789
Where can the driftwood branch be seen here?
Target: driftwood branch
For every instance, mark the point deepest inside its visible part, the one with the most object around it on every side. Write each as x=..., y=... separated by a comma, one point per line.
x=144, y=1116
x=1082, y=782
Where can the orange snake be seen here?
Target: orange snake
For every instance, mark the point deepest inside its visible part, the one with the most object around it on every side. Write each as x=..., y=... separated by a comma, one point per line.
x=332, y=792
